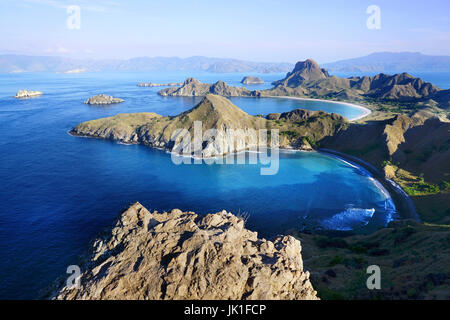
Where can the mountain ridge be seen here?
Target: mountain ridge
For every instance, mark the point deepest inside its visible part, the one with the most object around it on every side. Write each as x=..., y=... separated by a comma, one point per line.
x=11, y=63
x=392, y=62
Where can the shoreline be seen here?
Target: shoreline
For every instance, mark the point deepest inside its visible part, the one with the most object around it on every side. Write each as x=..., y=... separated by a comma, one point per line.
x=366, y=110
x=403, y=203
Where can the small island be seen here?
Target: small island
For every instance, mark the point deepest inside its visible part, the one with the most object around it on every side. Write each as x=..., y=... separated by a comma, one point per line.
x=21, y=94
x=102, y=99
x=152, y=84
x=252, y=80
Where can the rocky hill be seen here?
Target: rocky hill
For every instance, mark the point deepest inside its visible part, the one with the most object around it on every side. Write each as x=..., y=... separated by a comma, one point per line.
x=102, y=99
x=308, y=79
x=304, y=71
x=180, y=255
x=234, y=127
x=252, y=80
x=193, y=87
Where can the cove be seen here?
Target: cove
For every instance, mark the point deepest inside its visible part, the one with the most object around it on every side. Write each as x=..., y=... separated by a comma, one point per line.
x=58, y=191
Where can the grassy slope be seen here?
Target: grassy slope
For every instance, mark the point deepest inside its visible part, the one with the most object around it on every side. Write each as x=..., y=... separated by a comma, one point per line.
x=413, y=258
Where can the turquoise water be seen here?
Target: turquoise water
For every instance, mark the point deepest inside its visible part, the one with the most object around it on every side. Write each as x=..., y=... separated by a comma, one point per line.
x=59, y=191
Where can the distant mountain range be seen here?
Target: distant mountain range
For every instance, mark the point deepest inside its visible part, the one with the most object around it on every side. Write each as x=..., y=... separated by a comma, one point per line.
x=23, y=63
x=392, y=62
x=388, y=62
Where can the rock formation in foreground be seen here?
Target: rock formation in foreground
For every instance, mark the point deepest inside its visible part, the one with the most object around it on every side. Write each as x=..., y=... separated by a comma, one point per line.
x=236, y=130
x=102, y=99
x=27, y=94
x=152, y=84
x=180, y=255
x=252, y=80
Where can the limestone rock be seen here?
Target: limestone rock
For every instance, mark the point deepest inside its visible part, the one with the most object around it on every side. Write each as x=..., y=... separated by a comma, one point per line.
x=180, y=255
x=252, y=80
x=102, y=99
x=193, y=87
x=27, y=94
x=152, y=84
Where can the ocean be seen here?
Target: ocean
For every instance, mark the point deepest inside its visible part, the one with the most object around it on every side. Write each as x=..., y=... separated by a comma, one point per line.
x=58, y=191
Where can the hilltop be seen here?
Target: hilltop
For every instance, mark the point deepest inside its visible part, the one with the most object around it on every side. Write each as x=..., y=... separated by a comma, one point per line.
x=219, y=113
x=193, y=87
x=308, y=79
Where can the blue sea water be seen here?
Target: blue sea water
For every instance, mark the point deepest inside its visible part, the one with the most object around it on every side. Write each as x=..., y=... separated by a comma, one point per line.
x=58, y=191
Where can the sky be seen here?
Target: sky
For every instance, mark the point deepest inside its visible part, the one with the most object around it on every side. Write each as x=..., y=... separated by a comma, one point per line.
x=255, y=30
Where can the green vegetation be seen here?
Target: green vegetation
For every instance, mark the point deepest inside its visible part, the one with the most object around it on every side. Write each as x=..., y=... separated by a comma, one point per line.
x=312, y=142
x=421, y=188
x=335, y=260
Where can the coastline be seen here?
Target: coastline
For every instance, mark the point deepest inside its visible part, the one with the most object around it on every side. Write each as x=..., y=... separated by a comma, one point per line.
x=367, y=111
x=403, y=203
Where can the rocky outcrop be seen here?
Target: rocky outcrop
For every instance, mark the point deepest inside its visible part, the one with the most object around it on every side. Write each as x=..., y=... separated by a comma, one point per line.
x=308, y=79
x=27, y=94
x=234, y=130
x=102, y=99
x=152, y=84
x=252, y=80
x=304, y=71
x=180, y=255
x=193, y=87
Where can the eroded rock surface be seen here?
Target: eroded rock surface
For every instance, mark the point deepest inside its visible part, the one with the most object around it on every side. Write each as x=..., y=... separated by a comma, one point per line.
x=102, y=99
x=180, y=255
x=27, y=94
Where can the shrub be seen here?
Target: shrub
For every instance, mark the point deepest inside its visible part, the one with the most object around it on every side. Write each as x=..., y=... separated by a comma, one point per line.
x=335, y=260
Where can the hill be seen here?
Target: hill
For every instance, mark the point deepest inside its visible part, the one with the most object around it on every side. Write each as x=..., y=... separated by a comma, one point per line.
x=236, y=130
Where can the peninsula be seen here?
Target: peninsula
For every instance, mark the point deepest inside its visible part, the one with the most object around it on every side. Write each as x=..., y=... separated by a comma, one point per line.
x=219, y=113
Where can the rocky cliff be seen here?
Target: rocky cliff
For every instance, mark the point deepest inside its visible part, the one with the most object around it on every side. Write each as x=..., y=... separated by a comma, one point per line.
x=180, y=255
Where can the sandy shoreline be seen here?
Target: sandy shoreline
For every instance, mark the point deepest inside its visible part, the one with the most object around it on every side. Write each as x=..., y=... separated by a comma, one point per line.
x=367, y=111
x=403, y=203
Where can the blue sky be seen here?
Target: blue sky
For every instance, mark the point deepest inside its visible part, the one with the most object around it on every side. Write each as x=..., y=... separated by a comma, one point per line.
x=264, y=30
